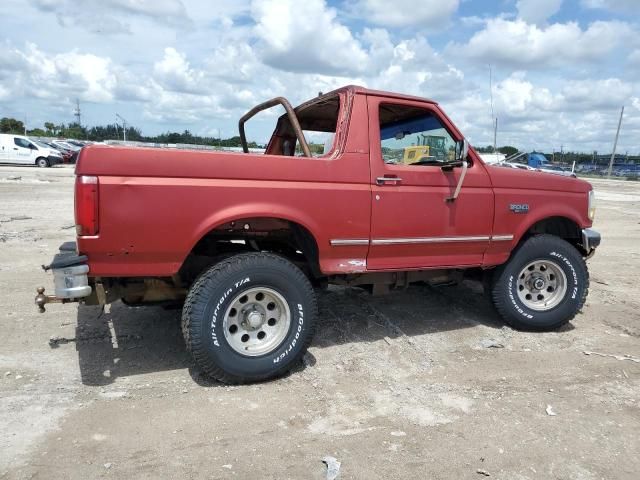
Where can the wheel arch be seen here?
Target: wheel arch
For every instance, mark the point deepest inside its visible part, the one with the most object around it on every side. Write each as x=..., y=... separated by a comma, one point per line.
x=267, y=226
x=562, y=226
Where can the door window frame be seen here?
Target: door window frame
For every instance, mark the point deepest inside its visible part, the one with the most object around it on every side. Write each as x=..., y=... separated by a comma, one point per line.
x=378, y=163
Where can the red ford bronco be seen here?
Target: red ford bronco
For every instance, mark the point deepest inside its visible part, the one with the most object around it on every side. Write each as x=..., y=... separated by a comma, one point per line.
x=242, y=239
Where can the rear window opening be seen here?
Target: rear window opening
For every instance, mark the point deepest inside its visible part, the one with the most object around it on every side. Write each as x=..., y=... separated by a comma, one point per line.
x=318, y=120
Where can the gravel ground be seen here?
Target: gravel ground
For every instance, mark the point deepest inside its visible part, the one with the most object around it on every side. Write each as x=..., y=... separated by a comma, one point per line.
x=423, y=383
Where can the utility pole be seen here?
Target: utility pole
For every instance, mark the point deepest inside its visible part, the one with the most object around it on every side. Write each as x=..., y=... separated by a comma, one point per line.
x=77, y=113
x=615, y=144
x=124, y=127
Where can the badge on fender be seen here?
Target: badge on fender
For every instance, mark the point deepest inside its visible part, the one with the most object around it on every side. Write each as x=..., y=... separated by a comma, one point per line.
x=519, y=207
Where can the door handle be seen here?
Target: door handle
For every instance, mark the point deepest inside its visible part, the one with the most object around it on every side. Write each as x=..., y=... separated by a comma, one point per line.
x=15, y=148
x=384, y=180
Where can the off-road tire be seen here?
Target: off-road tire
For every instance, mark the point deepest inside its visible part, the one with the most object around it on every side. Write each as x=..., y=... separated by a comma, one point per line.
x=504, y=284
x=42, y=162
x=212, y=294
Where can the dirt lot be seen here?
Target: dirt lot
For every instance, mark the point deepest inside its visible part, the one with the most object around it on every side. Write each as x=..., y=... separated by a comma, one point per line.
x=405, y=386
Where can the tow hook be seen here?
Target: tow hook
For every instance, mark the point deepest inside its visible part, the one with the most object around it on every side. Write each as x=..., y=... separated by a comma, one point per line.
x=42, y=299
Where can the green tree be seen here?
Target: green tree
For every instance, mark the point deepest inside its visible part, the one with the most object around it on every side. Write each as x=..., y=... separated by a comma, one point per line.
x=37, y=132
x=11, y=125
x=508, y=150
x=50, y=127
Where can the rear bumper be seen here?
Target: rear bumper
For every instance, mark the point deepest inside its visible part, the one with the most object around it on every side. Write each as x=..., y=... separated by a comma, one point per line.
x=590, y=240
x=70, y=277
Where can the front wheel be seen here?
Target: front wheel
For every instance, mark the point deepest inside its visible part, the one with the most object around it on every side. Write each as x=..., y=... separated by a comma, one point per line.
x=42, y=162
x=542, y=286
x=249, y=318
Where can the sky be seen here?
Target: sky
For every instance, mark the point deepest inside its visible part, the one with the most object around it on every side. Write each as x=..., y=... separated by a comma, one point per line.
x=560, y=69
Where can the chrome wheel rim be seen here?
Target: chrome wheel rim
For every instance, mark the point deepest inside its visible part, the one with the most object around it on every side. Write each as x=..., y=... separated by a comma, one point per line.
x=257, y=321
x=541, y=285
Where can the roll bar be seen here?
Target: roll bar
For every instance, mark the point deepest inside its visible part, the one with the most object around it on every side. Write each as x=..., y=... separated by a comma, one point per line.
x=292, y=118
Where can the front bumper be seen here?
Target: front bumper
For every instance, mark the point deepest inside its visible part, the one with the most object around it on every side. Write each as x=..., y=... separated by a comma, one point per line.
x=54, y=160
x=70, y=277
x=590, y=240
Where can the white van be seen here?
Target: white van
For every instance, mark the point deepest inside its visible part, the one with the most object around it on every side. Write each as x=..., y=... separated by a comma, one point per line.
x=21, y=150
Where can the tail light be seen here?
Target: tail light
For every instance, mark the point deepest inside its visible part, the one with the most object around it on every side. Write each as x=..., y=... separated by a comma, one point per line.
x=86, y=206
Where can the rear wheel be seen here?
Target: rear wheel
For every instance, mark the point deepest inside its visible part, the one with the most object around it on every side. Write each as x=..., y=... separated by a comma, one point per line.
x=42, y=162
x=542, y=286
x=250, y=317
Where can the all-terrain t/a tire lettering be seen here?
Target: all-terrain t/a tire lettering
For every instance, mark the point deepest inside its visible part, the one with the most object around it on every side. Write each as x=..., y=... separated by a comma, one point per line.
x=542, y=286
x=250, y=317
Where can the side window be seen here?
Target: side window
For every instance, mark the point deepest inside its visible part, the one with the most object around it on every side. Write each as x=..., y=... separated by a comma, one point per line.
x=414, y=136
x=21, y=142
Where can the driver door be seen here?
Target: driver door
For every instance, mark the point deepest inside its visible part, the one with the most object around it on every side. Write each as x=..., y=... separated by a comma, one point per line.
x=21, y=151
x=413, y=225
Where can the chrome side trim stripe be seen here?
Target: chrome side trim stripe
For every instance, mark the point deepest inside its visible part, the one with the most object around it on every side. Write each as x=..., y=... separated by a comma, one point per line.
x=395, y=241
x=501, y=238
x=339, y=242
x=418, y=240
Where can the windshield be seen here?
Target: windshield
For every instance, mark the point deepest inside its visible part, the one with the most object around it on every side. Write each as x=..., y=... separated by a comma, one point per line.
x=39, y=143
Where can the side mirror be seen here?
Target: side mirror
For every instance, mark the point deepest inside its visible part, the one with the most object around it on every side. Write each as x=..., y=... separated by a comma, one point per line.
x=464, y=150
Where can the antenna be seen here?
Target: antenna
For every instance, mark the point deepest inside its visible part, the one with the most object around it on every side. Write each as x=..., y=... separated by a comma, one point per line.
x=124, y=127
x=494, y=119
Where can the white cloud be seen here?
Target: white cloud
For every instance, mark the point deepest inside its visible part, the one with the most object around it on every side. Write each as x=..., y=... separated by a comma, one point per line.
x=521, y=45
x=569, y=82
x=33, y=72
x=305, y=37
x=610, y=93
x=404, y=13
x=175, y=73
x=536, y=11
x=516, y=97
x=614, y=5
x=113, y=16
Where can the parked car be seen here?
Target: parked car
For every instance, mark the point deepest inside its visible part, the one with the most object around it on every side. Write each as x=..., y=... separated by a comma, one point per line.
x=67, y=145
x=20, y=150
x=242, y=239
x=76, y=143
x=69, y=156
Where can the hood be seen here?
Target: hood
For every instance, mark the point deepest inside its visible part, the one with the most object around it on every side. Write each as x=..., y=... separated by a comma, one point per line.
x=50, y=152
x=535, y=180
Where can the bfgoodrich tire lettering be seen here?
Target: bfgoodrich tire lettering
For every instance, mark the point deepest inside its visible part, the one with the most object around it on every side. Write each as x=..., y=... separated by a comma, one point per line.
x=511, y=281
x=206, y=323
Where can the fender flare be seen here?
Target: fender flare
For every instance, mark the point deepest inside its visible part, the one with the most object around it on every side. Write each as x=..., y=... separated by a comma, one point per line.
x=253, y=210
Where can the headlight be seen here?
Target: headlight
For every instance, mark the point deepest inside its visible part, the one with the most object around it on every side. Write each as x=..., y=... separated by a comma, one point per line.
x=592, y=205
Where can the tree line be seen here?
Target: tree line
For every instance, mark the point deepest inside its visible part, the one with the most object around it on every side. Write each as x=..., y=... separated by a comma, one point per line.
x=114, y=131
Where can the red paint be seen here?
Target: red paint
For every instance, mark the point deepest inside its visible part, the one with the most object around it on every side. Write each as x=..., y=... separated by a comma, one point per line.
x=155, y=204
